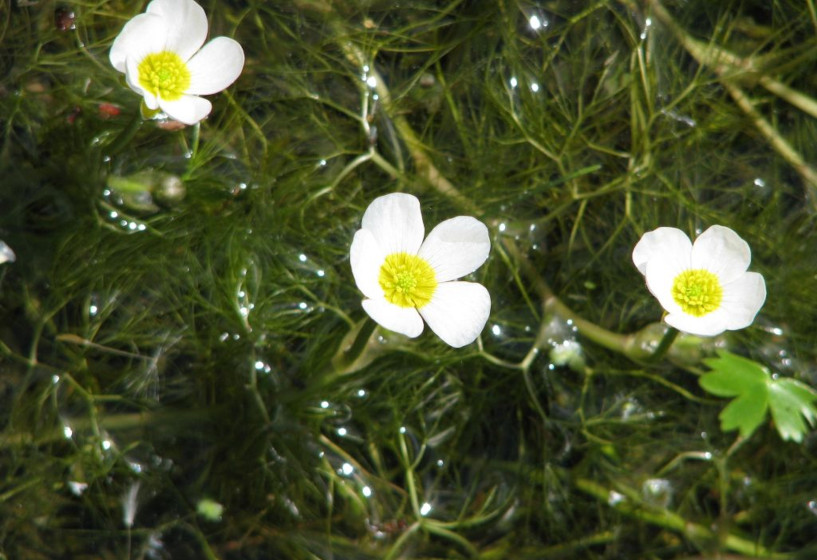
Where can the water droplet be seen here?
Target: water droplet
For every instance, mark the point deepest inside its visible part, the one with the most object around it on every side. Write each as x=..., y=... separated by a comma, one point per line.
x=67, y=432
x=534, y=87
x=425, y=509
x=342, y=432
x=535, y=22
x=324, y=404
x=347, y=469
x=302, y=257
x=496, y=330
x=367, y=492
x=514, y=83
x=614, y=498
x=657, y=491
x=77, y=488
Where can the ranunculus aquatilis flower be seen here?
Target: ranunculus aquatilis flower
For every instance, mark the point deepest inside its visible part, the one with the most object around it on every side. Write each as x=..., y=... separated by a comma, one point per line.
x=161, y=54
x=406, y=279
x=704, y=287
x=6, y=254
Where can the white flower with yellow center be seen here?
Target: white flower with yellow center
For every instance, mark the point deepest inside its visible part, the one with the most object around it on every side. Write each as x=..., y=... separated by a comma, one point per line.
x=406, y=279
x=705, y=288
x=161, y=55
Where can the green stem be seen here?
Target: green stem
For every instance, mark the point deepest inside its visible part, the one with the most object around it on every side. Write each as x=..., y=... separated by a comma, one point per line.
x=345, y=358
x=628, y=505
x=666, y=341
x=124, y=137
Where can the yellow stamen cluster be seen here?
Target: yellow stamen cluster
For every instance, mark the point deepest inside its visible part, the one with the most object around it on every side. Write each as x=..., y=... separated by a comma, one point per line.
x=165, y=75
x=407, y=280
x=697, y=291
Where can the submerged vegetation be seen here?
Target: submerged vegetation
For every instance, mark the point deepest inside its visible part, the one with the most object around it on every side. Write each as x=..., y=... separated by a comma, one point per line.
x=186, y=370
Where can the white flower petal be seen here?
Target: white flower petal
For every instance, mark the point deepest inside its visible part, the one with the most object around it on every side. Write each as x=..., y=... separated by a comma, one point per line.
x=6, y=254
x=661, y=271
x=396, y=222
x=710, y=324
x=722, y=251
x=742, y=299
x=187, y=25
x=661, y=241
x=457, y=312
x=456, y=247
x=403, y=320
x=366, y=258
x=132, y=78
x=215, y=66
x=142, y=35
x=189, y=109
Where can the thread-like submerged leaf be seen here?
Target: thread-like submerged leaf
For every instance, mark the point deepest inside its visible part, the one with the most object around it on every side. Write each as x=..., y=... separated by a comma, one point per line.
x=756, y=390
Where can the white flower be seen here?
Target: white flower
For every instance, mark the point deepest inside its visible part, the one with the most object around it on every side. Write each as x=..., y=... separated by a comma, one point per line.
x=162, y=57
x=6, y=254
x=705, y=288
x=406, y=279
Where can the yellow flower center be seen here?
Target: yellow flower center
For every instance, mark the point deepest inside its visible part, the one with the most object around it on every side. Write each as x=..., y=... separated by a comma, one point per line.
x=407, y=280
x=697, y=291
x=165, y=75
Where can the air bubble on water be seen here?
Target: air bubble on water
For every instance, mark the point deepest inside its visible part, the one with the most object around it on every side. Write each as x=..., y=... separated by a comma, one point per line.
x=77, y=488
x=615, y=498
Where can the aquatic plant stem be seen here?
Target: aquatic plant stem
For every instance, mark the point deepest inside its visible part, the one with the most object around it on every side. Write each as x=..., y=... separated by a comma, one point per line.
x=628, y=503
x=663, y=347
x=346, y=356
x=125, y=136
x=730, y=68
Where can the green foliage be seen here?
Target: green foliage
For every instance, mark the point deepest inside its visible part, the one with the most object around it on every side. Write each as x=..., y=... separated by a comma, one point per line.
x=756, y=390
x=174, y=330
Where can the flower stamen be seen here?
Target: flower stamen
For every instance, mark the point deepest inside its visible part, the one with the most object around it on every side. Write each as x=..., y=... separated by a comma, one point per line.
x=165, y=75
x=407, y=280
x=697, y=291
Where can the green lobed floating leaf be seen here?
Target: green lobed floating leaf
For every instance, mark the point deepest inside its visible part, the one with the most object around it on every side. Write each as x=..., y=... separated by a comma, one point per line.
x=733, y=375
x=791, y=401
x=745, y=413
x=756, y=390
